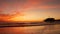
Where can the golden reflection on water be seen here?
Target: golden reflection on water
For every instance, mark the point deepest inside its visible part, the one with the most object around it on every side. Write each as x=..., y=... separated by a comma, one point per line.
x=31, y=30
x=21, y=30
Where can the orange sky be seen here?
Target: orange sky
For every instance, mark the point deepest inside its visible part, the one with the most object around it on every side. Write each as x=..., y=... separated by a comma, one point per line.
x=29, y=10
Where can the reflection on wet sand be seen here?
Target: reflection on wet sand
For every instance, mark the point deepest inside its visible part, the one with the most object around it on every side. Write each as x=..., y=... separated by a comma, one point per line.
x=48, y=29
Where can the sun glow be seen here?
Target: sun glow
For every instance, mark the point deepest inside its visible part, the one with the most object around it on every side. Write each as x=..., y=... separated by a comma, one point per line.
x=25, y=17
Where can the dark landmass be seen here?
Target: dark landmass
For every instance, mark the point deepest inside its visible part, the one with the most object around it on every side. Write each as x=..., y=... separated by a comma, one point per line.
x=52, y=20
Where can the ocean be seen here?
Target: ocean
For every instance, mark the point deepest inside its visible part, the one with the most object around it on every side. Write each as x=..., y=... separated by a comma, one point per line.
x=45, y=29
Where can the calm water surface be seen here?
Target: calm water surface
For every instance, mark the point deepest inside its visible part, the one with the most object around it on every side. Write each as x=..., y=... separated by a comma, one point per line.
x=48, y=29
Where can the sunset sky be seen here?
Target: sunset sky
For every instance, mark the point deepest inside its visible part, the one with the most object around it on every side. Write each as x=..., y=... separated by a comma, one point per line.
x=29, y=10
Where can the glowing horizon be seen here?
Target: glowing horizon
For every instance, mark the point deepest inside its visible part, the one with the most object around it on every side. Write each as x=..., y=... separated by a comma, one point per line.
x=29, y=10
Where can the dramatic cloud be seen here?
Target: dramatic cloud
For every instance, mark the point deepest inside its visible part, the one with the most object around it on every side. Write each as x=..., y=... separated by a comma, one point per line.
x=40, y=8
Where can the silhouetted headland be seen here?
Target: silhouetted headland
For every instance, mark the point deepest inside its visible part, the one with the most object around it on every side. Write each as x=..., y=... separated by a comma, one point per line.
x=49, y=20
x=52, y=20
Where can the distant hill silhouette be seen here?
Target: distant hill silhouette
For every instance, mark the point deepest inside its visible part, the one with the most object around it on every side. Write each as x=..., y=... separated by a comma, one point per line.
x=58, y=20
x=52, y=20
x=49, y=20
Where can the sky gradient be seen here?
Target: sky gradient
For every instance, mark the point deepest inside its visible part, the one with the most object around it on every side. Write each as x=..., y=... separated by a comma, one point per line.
x=29, y=10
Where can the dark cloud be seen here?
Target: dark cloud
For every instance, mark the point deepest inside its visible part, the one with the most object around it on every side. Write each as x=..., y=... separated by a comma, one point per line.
x=53, y=2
